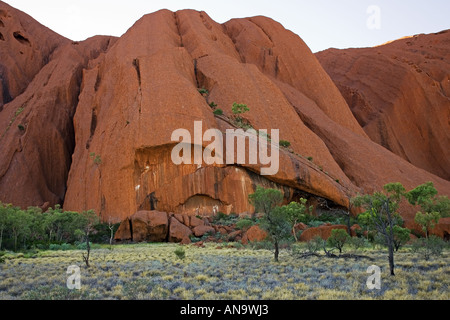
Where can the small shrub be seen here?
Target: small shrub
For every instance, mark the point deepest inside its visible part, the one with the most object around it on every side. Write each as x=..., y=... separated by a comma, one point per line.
x=315, y=244
x=315, y=223
x=82, y=245
x=285, y=143
x=203, y=91
x=54, y=246
x=180, y=253
x=358, y=242
x=427, y=247
x=244, y=224
x=338, y=239
x=21, y=127
x=97, y=159
x=65, y=246
x=194, y=239
x=213, y=104
x=239, y=108
x=218, y=112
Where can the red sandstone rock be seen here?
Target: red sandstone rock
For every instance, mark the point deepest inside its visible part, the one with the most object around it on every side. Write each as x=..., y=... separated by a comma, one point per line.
x=403, y=102
x=233, y=236
x=324, y=231
x=26, y=47
x=200, y=230
x=145, y=225
x=442, y=229
x=149, y=226
x=194, y=222
x=106, y=109
x=178, y=232
x=255, y=234
x=186, y=240
x=123, y=233
x=353, y=229
x=300, y=226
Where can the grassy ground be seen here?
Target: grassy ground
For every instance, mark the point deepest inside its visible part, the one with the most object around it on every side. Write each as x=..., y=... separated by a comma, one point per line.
x=153, y=271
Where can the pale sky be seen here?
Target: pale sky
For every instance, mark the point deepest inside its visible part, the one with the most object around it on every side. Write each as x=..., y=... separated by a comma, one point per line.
x=320, y=23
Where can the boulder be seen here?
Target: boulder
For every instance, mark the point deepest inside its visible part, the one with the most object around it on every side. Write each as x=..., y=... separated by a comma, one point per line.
x=178, y=232
x=353, y=229
x=123, y=233
x=194, y=222
x=200, y=230
x=255, y=234
x=149, y=226
x=324, y=231
x=300, y=226
x=233, y=236
x=145, y=226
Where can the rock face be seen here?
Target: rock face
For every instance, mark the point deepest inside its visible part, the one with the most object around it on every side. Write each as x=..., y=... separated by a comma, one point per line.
x=400, y=95
x=40, y=75
x=106, y=108
x=25, y=48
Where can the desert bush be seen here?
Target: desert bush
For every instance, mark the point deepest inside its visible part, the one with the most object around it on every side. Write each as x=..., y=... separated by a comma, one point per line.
x=338, y=239
x=180, y=253
x=244, y=224
x=428, y=247
x=285, y=143
x=218, y=112
x=225, y=219
x=315, y=244
x=358, y=242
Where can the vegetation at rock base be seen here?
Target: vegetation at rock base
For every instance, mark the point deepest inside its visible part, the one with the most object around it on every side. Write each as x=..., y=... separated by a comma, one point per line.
x=47, y=243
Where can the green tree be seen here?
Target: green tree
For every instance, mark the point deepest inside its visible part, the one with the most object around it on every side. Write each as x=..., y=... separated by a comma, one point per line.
x=295, y=212
x=19, y=223
x=87, y=221
x=338, y=239
x=274, y=221
x=381, y=214
x=427, y=220
x=426, y=196
x=433, y=206
x=401, y=236
x=4, y=209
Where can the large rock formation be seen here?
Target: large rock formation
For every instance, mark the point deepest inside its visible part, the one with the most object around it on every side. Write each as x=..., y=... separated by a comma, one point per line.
x=25, y=48
x=42, y=73
x=400, y=94
x=106, y=108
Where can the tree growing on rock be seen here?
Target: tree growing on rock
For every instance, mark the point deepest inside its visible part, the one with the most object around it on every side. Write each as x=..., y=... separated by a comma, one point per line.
x=275, y=220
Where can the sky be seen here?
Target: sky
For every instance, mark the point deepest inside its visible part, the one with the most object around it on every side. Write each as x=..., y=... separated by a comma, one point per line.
x=320, y=23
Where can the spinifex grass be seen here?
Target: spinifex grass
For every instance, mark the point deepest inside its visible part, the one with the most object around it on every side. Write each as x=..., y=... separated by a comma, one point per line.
x=153, y=271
